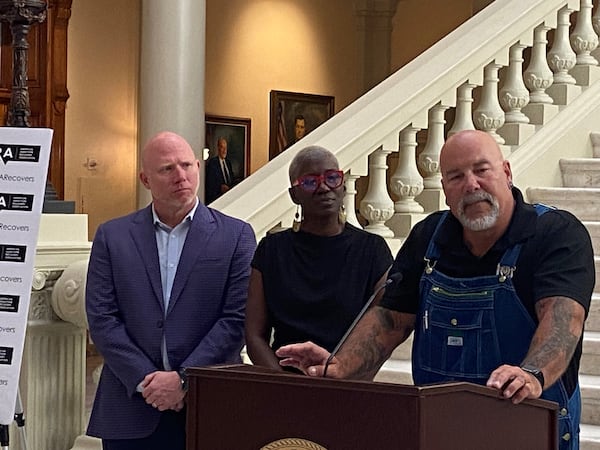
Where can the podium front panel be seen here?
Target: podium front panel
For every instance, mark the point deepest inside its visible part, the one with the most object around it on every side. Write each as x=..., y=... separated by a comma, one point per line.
x=245, y=407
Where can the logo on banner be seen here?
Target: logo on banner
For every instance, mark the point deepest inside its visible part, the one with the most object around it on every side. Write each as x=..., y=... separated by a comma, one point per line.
x=20, y=153
x=6, y=355
x=16, y=202
x=9, y=303
x=12, y=253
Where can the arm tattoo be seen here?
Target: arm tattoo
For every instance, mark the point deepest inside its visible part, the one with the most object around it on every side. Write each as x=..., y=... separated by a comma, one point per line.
x=387, y=332
x=558, y=334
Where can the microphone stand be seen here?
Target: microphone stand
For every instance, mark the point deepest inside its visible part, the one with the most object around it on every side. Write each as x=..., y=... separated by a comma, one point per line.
x=392, y=279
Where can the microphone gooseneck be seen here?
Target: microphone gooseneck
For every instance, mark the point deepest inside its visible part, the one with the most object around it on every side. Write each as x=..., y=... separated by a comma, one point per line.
x=394, y=278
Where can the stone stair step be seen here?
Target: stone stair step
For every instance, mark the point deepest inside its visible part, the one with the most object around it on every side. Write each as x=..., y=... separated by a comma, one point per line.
x=396, y=371
x=594, y=230
x=582, y=202
x=589, y=437
x=592, y=322
x=580, y=172
x=597, y=271
x=590, y=399
x=590, y=359
x=403, y=350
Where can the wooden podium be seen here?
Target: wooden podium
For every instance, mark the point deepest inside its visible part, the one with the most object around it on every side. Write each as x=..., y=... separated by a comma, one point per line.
x=245, y=407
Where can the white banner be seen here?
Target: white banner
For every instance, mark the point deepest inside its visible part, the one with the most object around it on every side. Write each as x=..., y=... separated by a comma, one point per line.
x=24, y=156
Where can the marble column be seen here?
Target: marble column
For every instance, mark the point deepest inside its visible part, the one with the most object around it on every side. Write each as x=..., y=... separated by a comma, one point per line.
x=375, y=31
x=172, y=74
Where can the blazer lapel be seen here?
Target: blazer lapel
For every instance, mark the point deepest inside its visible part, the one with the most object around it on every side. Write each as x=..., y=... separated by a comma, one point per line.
x=143, y=235
x=198, y=237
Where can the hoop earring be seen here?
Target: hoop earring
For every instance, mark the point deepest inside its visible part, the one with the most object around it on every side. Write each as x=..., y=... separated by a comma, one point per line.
x=297, y=220
x=342, y=215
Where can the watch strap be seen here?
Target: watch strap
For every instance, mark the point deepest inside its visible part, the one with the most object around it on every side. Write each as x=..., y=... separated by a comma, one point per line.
x=537, y=373
x=184, y=378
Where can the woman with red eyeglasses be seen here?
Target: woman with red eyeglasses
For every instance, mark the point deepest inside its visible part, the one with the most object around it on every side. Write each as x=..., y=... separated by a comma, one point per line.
x=308, y=283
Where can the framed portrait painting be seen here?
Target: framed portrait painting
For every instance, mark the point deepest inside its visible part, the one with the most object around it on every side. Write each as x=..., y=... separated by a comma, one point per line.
x=293, y=115
x=235, y=131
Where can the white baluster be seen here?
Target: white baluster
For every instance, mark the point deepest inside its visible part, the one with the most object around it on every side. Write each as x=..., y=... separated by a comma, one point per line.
x=429, y=158
x=596, y=25
x=538, y=76
x=377, y=206
x=463, y=119
x=514, y=96
x=584, y=40
x=350, y=199
x=407, y=182
x=595, y=138
x=489, y=116
x=561, y=57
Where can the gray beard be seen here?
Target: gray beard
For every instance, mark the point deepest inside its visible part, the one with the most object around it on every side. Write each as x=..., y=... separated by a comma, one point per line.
x=480, y=223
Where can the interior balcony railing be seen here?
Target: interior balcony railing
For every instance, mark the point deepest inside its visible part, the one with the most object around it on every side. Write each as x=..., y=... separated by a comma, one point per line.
x=521, y=62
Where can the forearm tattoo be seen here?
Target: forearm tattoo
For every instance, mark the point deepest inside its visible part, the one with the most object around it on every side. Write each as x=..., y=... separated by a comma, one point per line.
x=386, y=332
x=558, y=334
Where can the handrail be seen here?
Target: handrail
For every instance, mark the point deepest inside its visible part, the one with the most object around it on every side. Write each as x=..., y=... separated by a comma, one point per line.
x=404, y=98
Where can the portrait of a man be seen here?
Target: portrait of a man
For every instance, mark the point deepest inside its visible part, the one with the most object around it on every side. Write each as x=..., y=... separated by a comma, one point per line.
x=228, y=141
x=295, y=115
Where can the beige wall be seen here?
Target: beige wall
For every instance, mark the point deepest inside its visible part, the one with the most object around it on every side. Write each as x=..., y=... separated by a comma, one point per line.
x=418, y=24
x=252, y=47
x=101, y=115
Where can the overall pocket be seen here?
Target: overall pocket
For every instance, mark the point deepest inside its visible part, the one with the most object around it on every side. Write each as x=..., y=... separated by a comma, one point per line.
x=458, y=334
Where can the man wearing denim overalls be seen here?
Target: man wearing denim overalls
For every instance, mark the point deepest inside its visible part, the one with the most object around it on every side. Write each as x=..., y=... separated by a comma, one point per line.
x=496, y=291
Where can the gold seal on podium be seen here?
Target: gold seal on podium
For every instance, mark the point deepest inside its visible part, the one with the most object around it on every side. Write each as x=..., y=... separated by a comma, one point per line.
x=293, y=444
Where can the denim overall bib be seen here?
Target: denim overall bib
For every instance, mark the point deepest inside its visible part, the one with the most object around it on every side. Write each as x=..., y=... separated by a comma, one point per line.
x=467, y=327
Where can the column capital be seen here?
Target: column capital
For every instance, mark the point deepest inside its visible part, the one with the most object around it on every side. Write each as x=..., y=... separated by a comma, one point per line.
x=68, y=295
x=376, y=7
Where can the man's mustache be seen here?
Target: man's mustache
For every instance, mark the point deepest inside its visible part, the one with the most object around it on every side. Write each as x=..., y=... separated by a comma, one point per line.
x=475, y=197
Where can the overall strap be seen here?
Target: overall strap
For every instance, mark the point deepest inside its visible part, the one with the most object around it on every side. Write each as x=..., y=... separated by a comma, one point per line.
x=433, y=252
x=507, y=264
x=540, y=208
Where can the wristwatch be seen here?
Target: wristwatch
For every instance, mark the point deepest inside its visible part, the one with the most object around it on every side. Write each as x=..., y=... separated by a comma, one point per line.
x=537, y=373
x=184, y=379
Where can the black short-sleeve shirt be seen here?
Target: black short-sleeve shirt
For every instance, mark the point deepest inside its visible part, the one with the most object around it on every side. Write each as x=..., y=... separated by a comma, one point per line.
x=556, y=259
x=314, y=286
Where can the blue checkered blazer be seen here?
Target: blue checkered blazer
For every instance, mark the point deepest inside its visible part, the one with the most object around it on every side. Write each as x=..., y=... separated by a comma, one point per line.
x=203, y=325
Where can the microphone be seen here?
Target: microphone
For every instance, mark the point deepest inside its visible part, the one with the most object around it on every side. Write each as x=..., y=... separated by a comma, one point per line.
x=394, y=278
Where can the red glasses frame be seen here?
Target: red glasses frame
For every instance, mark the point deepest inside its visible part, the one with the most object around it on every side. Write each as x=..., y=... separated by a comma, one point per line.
x=318, y=179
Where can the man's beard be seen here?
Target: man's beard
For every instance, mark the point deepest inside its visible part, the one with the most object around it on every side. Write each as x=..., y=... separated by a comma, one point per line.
x=483, y=222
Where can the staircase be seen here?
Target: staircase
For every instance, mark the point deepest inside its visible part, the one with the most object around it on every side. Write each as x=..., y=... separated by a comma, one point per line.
x=541, y=115
x=580, y=195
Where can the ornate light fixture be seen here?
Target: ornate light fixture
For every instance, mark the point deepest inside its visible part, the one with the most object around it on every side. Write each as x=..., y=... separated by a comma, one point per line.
x=20, y=14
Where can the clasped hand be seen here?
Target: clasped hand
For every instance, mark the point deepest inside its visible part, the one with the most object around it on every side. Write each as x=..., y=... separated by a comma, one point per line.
x=162, y=390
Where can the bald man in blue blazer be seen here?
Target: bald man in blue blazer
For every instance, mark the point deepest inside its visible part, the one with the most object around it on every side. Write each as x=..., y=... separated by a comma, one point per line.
x=166, y=290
